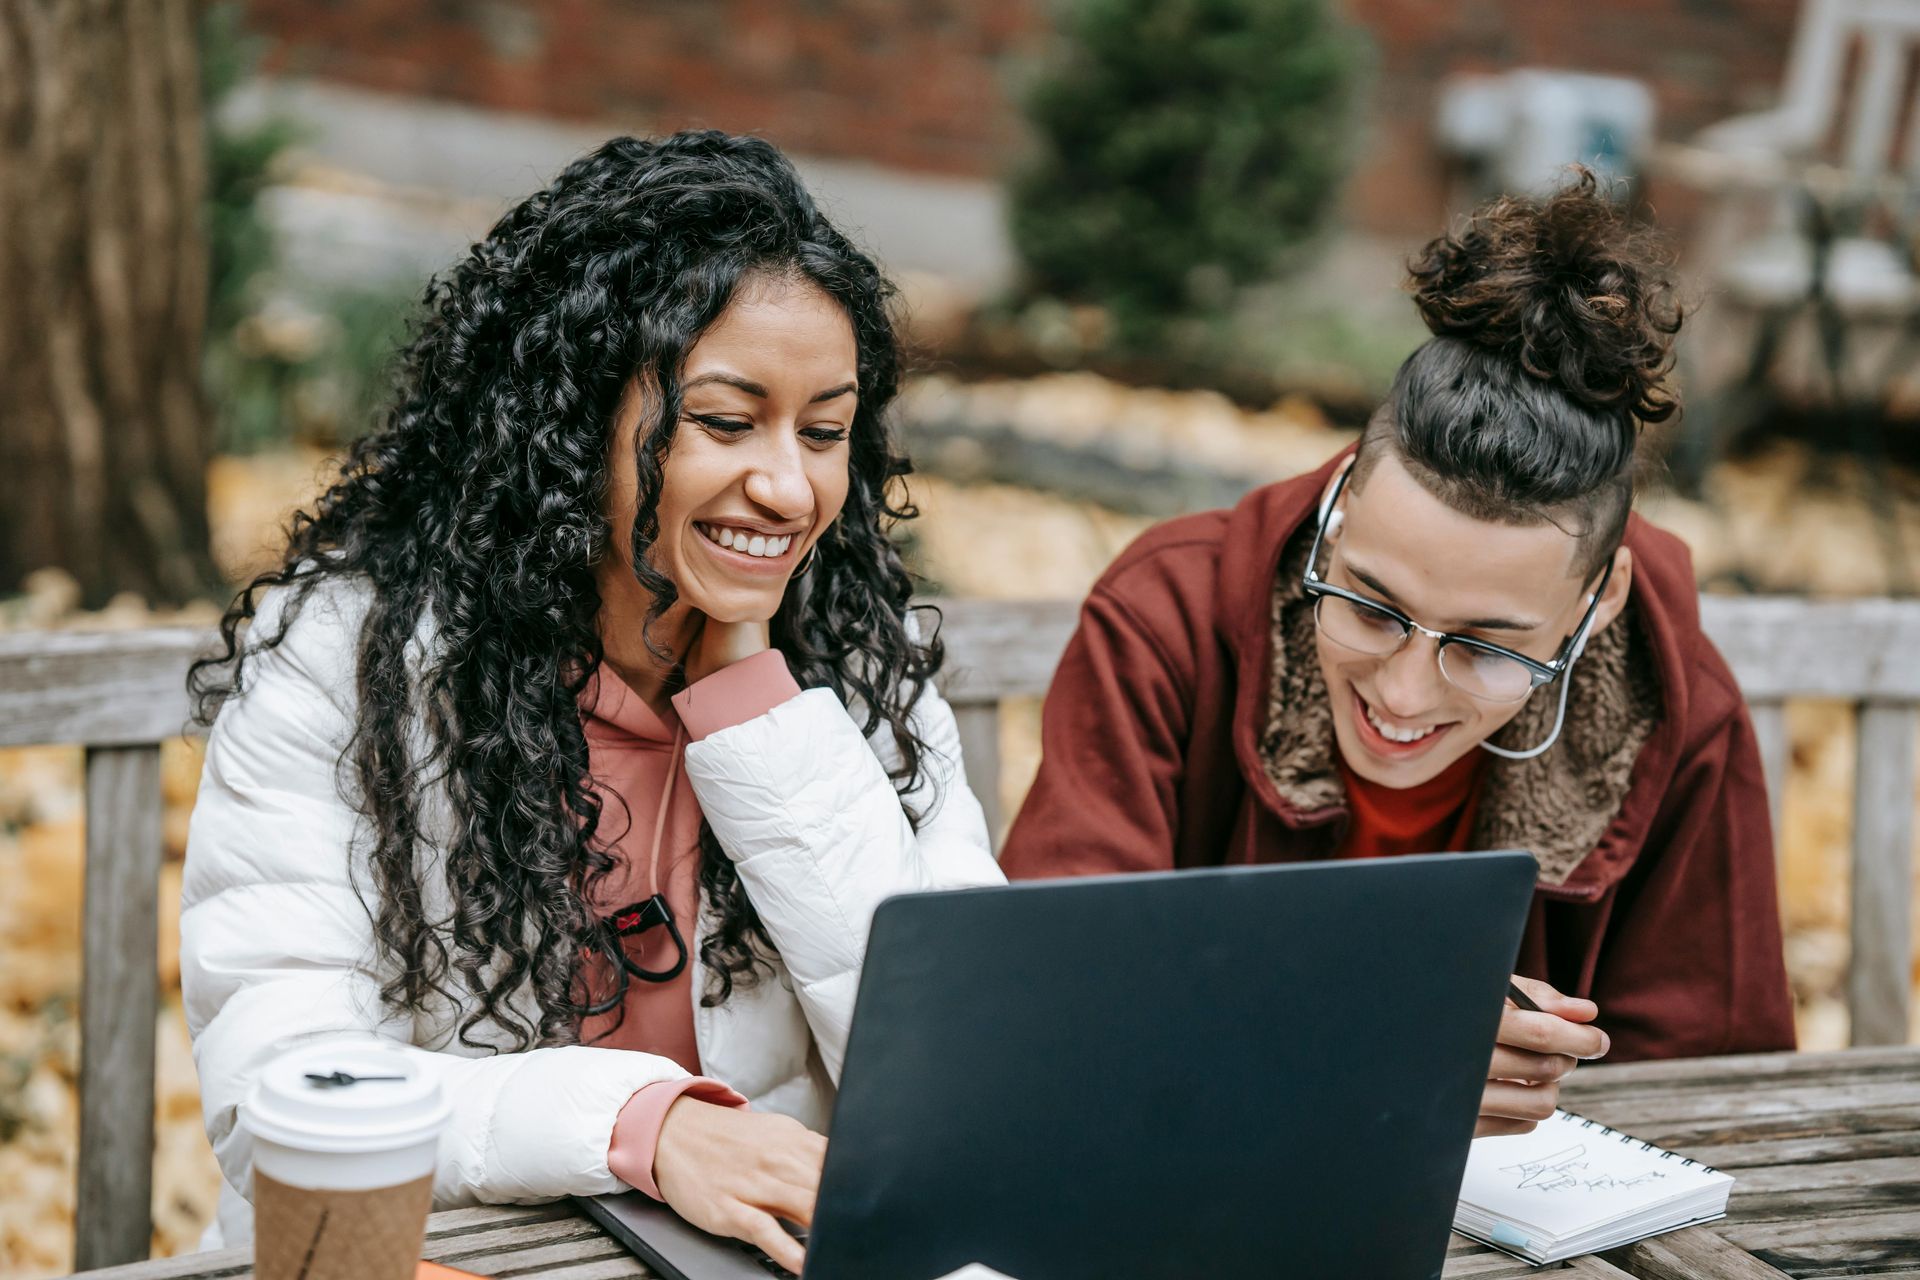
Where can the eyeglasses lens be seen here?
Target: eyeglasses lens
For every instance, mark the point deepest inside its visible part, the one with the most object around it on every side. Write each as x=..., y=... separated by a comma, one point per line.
x=1479, y=672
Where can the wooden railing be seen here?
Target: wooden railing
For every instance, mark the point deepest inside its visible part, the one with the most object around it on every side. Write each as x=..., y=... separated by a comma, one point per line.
x=119, y=693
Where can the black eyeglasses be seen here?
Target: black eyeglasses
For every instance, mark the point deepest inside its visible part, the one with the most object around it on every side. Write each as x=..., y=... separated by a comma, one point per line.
x=1478, y=668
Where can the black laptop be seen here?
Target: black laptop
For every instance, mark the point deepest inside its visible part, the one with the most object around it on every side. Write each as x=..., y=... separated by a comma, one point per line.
x=1249, y=1071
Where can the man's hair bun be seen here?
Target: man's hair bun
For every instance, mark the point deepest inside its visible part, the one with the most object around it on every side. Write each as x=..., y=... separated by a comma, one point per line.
x=1565, y=287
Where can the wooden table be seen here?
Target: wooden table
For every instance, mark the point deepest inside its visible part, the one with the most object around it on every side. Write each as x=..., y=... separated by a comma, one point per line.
x=1825, y=1148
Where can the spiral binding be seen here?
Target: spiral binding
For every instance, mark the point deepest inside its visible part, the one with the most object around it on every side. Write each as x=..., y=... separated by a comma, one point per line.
x=1630, y=1140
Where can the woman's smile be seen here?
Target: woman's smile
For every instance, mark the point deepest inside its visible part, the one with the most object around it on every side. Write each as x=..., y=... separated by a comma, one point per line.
x=748, y=547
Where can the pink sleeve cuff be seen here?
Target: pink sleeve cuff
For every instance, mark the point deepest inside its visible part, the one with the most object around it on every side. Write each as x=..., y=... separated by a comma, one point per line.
x=636, y=1131
x=735, y=694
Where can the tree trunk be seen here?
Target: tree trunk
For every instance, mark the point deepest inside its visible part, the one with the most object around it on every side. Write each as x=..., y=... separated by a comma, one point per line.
x=104, y=436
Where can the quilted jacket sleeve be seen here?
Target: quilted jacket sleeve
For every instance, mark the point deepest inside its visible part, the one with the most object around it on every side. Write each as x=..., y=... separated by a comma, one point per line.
x=802, y=801
x=276, y=945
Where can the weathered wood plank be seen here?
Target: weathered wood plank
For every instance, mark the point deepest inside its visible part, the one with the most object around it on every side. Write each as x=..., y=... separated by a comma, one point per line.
x=127, y=686
x=487, y=1219
x=1830, y=1109
x=1840, y=1082
x=1761, y=1070
x=109, y=688
x=1779, y=647
x=1003, y=648
x=1733, y=1153
x=623, y=1266
x=491, y=1232
x=1879, y=976
x=1485, y=1266
x=979, y=725
x=118, y=1002
x=219, y=1264
x=1598, y=1268
x=1895, y=1175
x=1776, y=758
x=1733, y=1141
x=1477, y=1262
x=1784, y=647
x=1829, y=1191
x=101, y=688
x=1742, y=1106
x=1812, y=1246
x=1693, y=1253
x=545, y=1240
x=590, y=1246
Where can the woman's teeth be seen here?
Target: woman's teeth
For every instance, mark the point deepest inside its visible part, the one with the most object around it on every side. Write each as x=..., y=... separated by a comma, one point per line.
x=752, y=544
x=1392, y=734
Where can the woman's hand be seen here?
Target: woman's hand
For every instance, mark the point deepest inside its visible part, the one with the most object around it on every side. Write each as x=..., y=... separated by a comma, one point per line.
x=734, y=1172
x=721, y=644
x=1534, y=1053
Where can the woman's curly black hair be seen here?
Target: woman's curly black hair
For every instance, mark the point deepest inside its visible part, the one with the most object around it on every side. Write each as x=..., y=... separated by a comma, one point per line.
x=478, y=505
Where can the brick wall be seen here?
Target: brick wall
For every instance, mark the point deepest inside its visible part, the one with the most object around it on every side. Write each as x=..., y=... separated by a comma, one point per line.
x=1703, y=59
x=916, y=84
x=928, y=85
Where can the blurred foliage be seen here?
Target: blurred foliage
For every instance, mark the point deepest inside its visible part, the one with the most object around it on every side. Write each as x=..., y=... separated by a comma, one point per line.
x=913, y=554
x=278, y=367
x=1184, y=146
x=239, y=167
x=1320, y=344
x=311, y=370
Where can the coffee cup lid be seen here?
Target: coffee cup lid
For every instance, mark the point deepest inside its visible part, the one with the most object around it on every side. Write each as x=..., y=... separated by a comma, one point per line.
x=348, y=1096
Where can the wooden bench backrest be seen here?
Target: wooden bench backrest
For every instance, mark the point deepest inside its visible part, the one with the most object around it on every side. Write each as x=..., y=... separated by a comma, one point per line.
x=118, y=694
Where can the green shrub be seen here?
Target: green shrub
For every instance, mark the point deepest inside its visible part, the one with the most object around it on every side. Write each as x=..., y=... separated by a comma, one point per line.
x=281, y=363
x=1183, y=146
x=240, y=160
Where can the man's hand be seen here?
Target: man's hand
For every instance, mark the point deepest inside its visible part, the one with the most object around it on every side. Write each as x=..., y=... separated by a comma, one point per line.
x=1534, y=1053
x=735, y=1172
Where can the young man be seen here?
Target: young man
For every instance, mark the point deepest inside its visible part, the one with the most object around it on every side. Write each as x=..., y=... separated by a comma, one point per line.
x=1456, y=637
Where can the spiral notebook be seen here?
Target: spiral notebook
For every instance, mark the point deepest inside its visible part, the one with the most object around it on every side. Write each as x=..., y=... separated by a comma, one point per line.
x=1573, y=1186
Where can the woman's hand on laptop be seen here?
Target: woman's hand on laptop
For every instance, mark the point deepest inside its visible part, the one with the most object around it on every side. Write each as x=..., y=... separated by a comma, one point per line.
x=734, y=1172
x=1534, y=1053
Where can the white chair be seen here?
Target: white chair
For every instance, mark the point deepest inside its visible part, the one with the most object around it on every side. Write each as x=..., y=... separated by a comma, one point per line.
x=1808, y=248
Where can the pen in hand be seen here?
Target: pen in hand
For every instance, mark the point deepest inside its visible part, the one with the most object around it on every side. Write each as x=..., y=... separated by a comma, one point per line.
x=1533, y=1006
x=1522, y=1000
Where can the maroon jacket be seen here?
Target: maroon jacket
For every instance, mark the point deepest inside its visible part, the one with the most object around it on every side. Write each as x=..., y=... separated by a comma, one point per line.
x=1187, y=726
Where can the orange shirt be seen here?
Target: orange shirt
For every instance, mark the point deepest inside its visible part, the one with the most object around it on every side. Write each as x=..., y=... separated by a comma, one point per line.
x=1434, y=817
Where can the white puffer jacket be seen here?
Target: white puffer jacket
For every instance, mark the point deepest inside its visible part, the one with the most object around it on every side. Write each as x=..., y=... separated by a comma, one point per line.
x=276, y=945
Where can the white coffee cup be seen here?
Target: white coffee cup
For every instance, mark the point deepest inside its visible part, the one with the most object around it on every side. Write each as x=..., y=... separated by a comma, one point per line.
x=344, y=1138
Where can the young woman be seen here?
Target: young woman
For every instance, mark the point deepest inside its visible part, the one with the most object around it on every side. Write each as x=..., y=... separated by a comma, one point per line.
x=1456, y=636
x=513, y=761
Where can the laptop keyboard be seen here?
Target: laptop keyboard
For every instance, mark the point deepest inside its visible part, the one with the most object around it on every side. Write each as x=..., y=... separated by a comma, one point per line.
x=771, y=1267
x=767, y=1264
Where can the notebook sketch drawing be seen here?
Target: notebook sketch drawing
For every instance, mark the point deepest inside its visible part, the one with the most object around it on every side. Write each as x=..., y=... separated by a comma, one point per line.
x=1575, y=1186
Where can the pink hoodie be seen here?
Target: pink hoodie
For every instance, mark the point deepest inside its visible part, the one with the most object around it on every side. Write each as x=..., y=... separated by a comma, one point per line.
x=650, y=819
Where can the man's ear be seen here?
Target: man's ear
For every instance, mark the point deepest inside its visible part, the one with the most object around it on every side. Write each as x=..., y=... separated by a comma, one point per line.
x=1613, y=601
x=1326, y=494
